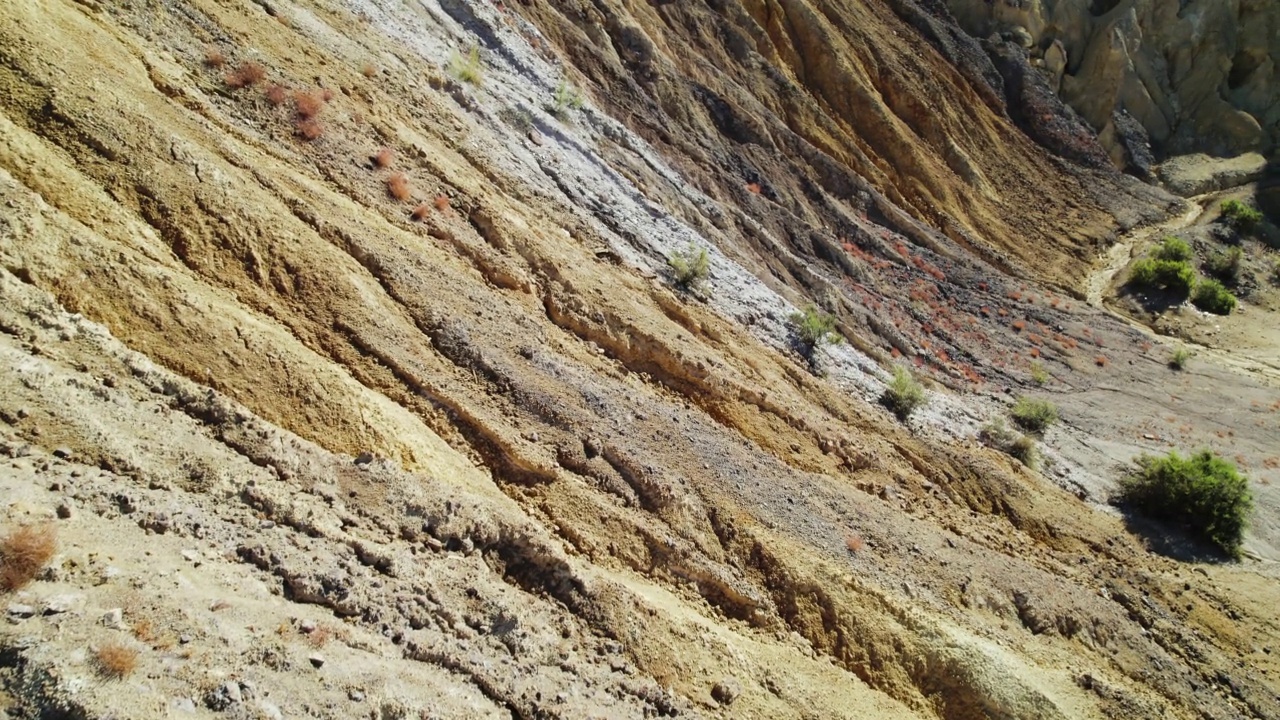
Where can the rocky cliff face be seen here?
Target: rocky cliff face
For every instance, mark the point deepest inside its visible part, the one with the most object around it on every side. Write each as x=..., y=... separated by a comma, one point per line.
x=343, y=357
x=1192, y=75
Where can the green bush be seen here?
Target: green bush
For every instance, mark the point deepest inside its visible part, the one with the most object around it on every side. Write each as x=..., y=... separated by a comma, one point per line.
x=1241, y=216
x=1203, y=491
x=1225, y=264
x=814, y=328
x=1011, y=442
x=565, y=98
x=1211, y=296
x=904, y=395
x=1034, y=415
x=1039, y=375
x=690, y=266
x=1176, y=276
x=1179, y=359
x=1174, y=249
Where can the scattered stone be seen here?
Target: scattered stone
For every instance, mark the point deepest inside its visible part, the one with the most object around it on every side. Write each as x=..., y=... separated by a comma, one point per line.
x=270, y=711
x=193, y=557
x=223, y=696
x=21, y=611
x=307, y=626
x=184, y=639
x=355, y=695
x=59, y=604
x=114, y=618
x=316, y=660
x=364, y=458
x=726, y=691
x=64, y=510
x=184, y=705
x=62, y=452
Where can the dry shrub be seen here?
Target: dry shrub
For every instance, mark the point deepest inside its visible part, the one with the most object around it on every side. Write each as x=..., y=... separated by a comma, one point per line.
x=384, y=157
x=853, y=542
x=420, y=213
x=398, y=187
x=1100, y=361
x=277, y=94
x=753, y=188
x=309, y=129
x=320, y=637
x=442, y=203
x=23, y=553
x=326, y=94
x=368, y=70
x=308, y=103
x=248, y=73
x=115, y=660
x=214, y=58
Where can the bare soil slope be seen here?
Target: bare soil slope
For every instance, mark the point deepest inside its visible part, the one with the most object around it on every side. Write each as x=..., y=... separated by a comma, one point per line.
x=429, y=433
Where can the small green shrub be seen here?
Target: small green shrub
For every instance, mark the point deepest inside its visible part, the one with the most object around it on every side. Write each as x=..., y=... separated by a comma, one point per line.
x=814, y=328
x=1173, y=249
x=1034, y=415
x=690, y=266
x=1225, y=264
x=1203, y=491
x=1039, y=375
x=1176, y=276
x=1242, y=217
x=467, y=69
x=566, y=98
x=1179, y=359
x=1011, y=442
x=1211, y=296
x=904, y=395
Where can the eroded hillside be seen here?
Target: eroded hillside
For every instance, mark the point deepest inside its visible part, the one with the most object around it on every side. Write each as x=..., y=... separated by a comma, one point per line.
x=343, y=359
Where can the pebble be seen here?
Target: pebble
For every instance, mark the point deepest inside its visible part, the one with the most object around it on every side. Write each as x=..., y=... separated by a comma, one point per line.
x=356, y=695
x=62, y=452
x=59, y=604
x=19, y=610
x=316, y=660
x=114, y=618
x=65, y=510
x=726, y=691
x=223, y=696
x=307, y=626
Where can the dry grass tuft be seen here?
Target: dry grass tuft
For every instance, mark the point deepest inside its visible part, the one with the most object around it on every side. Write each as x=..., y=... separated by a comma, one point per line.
x=115, y=660
x=398, y=187
x=277, y=94
x=421, y=212
x=309, y=129
x=384, y=158
x=442, y=203
x=853, y=542
x=214, y=58
x=1100, y=361
x=368, y=70
x=320, y=637
x=23, y=553
x=309, y=103
x=248, y=73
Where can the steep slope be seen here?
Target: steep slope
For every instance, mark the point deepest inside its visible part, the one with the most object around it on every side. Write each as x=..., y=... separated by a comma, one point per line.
x=524, y=475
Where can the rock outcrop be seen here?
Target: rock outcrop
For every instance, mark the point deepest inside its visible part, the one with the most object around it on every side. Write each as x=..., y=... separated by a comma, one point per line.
x=1197, y=75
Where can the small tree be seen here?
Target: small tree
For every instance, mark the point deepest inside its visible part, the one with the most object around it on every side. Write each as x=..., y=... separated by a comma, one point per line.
x=903, y=395
x=1173, y=249
x=1204, y=491
x=1176, y=276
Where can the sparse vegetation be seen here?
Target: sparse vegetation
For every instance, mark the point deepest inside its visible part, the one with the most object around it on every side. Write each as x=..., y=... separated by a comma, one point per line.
x=1039, y=375
x=441, y=203
x=904, y=395
x=690, y=266
x=1241, y=217
x=214, y=58
x=398, y=187
x=384, y=158
x=1225, y=264
x=566, y=98
x=1011, y=442
x=309, y=103
x=1179, y=359
x=115, y=660
x=309, y=129
x=246, y=74
x=368, y=70
x=1203, y=491
x=276, y=94
x=1175, y=276
x=1210, y=296
x=1174, y=250
x=815, y=328
x=468, y=68
x=1033, y=414
x=23, y=553
x=420, y=213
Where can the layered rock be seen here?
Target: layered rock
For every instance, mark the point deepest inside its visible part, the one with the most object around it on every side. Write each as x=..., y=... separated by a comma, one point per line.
x=1197, y=75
